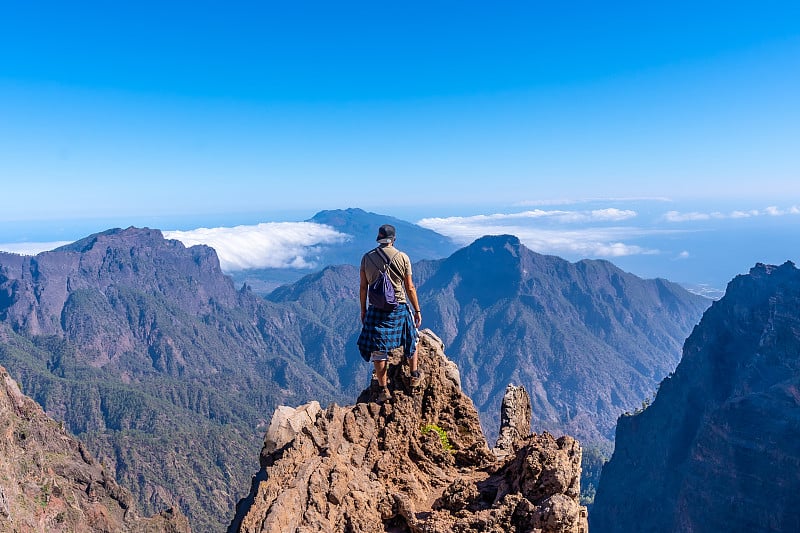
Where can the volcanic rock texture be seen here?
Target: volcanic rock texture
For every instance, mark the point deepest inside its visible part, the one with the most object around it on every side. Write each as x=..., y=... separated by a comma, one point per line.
x=417, y=463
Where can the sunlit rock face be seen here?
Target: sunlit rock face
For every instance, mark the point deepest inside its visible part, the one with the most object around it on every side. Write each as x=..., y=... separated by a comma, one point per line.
x=719, y=448
x=418, y=462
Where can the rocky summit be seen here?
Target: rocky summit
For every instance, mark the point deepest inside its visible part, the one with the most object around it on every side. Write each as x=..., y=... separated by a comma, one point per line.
x=719, y=448
x=50, y=483
x=416, y=463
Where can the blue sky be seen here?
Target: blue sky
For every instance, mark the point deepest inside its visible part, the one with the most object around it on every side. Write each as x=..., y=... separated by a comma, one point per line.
x=180, y=115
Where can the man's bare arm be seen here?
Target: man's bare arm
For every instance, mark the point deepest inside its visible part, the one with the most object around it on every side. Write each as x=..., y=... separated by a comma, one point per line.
x=362, y=294
x=411, y=292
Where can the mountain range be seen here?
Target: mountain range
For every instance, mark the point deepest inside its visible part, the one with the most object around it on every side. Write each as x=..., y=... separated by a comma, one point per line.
x=149, y=354
x=168, y=372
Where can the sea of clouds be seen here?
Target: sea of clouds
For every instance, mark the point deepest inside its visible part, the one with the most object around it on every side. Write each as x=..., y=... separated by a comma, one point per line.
x=628, y=235
x=573, y=232
x=265, y=245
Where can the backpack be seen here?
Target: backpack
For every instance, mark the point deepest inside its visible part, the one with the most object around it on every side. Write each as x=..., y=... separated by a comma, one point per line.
x=381, y=291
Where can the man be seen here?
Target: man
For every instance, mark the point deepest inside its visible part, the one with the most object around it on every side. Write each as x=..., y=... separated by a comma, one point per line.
x=383, y=331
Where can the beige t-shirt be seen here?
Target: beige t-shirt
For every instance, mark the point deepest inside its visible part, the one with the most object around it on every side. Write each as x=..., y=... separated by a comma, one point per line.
x=400, y=267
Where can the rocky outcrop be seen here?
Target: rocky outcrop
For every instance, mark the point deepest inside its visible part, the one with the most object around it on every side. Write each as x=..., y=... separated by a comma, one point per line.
x=417, y=463
x=287, y=422
x=50, y=483
x=719, y=448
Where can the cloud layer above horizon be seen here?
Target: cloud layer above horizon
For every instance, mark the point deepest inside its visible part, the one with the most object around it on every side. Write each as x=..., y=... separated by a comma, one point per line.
x=31, y=248
x=694, y=216
x=584, y=233
x=688, y=243
x=265, y=245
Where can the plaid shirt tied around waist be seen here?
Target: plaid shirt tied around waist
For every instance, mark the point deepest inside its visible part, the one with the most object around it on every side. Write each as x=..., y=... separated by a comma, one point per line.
x=384, y=331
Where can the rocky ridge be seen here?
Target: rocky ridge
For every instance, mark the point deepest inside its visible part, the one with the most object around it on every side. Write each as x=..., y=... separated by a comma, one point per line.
x=417, y=463
x=719, y=448
x=49, y=482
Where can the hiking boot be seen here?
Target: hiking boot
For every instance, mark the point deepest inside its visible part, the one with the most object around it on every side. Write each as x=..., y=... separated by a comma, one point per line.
x=383, y=395
x=416, y=379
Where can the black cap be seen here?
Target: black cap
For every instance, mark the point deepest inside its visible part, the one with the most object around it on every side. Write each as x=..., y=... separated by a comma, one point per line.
x=386, y=232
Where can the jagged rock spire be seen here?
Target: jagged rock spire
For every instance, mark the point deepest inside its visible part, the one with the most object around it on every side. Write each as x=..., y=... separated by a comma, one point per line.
x=515, y=423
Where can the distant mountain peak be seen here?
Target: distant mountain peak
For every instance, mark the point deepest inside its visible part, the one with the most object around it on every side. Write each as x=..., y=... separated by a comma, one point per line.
x=498, y=243
x=350, y=211
x=355, y=217
x=114, y=235
x=495, y=240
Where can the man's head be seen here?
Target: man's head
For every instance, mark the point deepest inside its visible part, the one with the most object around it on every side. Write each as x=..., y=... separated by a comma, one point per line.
x=386, y=234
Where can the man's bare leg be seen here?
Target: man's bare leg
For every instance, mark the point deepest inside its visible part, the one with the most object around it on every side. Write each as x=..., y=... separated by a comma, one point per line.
x=412, y=362
x=381, y=372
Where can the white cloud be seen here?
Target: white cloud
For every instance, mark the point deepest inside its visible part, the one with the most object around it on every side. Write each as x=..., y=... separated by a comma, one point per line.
x=743, y=214
x=778, y=212
x=573, y=201
x=266, y=245
x=613, y=214
x=559, y=216
x=619, y=249
x=31, y=248
x=676, y=216
x=683, y=255
x=583, y=242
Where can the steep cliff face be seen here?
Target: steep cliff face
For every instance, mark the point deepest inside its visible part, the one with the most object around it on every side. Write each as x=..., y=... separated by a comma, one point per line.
x=49, y=482
x=719, y=448
x=418, y=462
x=37, y=289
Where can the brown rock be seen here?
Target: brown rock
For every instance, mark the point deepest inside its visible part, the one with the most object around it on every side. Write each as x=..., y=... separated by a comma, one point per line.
x=417, y=463
x=515, y=421
x=287, y=422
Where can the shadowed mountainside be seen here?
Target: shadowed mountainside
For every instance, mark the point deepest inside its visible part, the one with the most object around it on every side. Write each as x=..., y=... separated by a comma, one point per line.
x=719, y=448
